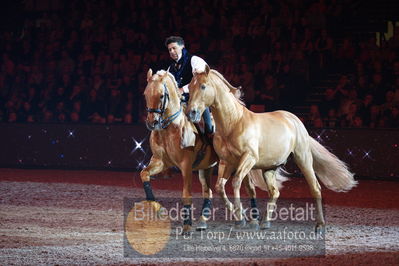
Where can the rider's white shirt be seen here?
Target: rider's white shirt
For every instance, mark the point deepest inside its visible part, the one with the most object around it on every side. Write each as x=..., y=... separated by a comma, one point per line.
x=197, y=64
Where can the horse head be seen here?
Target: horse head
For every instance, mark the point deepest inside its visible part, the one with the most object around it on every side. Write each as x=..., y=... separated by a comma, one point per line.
x=202, y=94
x=160, y=95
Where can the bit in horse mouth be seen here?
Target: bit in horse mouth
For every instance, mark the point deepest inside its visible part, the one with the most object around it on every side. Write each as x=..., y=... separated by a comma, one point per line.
x=152, y=126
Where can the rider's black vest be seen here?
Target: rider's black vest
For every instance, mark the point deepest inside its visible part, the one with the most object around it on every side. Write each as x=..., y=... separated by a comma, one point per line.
x=182, y=70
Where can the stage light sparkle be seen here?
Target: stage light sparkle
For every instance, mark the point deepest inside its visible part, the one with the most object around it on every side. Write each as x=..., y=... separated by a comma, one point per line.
x=349, y=152
x=71, y=133
x=137, y=146
x=367, y=154
x=319, y=137
x=140, y=165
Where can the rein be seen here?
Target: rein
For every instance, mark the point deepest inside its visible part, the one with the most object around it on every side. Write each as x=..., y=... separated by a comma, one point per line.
x=168, y=120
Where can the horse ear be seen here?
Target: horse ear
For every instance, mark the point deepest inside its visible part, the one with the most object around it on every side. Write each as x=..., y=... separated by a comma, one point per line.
x=149, y=74
x=207, y=69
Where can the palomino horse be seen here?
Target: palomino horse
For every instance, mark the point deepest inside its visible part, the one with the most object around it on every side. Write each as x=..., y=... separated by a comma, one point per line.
x=246, y=140
x=173, y=143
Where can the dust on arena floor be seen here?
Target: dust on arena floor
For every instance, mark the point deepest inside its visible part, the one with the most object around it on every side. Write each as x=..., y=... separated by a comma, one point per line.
x=76, y=217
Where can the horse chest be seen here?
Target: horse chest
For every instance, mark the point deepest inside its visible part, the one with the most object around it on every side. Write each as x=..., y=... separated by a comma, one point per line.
x=165, y=145
x=226, y=150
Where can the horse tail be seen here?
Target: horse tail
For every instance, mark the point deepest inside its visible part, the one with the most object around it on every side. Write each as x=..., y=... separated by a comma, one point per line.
x=256, y=177
x=331, y=171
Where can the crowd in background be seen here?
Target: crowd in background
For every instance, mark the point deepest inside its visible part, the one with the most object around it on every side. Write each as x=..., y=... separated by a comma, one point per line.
x=86, y=61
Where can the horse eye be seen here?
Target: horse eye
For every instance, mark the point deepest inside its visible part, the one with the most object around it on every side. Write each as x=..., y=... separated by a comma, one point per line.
x=203, y=87
x=161, y=96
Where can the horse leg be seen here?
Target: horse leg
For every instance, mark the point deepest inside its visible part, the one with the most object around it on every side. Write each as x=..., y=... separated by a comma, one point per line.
x=246, y=163
x=155, y=166
x=224, y=174
x=205, y=179
x=304, y=161
x=254, y=213
x=274, y=193
x=187, y=197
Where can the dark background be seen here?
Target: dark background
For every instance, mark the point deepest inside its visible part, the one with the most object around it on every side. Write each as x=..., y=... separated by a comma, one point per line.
x=369, y=153
x=252, y=43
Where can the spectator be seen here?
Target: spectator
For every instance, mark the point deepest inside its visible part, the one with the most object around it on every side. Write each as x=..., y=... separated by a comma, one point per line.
x=76, y=95
x=12, y=117
x=362, y=86
x=77, y=107
x=393, y=120
x=329, y=102
x=374, y=116
x=314, y=118
x=348, y=118
x=357, y=122
x=111, y=119
x=324, y=47
x=342, y=88
x=95, y=108
x=47, y=116
x=349, y=100
x=59, y=96
x=246, y=82
x=114, y=102
x=74, y=117
x=378, y=88
x=331, y=121
x=345, y=55
x=318, y=123
x=25, y=112
x=78, y=46
x=99, y=86
x=387, y=106
x=127, y=118
x=62, y=117
x=268, y=95
x=66, y=81
x=365, y=108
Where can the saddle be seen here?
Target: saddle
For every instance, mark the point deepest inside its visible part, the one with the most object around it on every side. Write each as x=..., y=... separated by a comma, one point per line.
x=189, y=133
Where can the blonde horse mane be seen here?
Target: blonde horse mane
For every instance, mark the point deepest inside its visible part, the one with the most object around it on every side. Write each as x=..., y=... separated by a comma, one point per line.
x=161, y=73
x=237, y=92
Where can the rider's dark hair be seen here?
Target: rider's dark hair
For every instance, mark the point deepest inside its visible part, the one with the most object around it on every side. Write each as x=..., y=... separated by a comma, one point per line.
x=177, y=39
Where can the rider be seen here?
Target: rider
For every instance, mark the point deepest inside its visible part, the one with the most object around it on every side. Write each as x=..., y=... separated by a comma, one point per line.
x=182, y=67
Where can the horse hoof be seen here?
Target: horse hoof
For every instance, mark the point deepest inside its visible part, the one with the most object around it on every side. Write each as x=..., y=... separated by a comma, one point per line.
x=240, y=224
x=265, y=225
x=201, y=226
x=320, y=229
x=254, y=225
x=188, y=233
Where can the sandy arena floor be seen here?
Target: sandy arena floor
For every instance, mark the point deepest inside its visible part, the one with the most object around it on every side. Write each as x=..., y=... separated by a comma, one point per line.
x=76, y=217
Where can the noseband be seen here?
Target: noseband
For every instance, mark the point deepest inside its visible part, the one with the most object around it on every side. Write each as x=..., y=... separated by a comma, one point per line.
x=168, y=120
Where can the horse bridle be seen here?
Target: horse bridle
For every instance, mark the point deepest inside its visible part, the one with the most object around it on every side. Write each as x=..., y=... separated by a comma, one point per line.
x=167, y=121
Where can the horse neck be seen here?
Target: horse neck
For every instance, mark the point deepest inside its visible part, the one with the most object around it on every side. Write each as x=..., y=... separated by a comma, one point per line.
x=172, y=108
x=226, y=110
x=174, y=100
